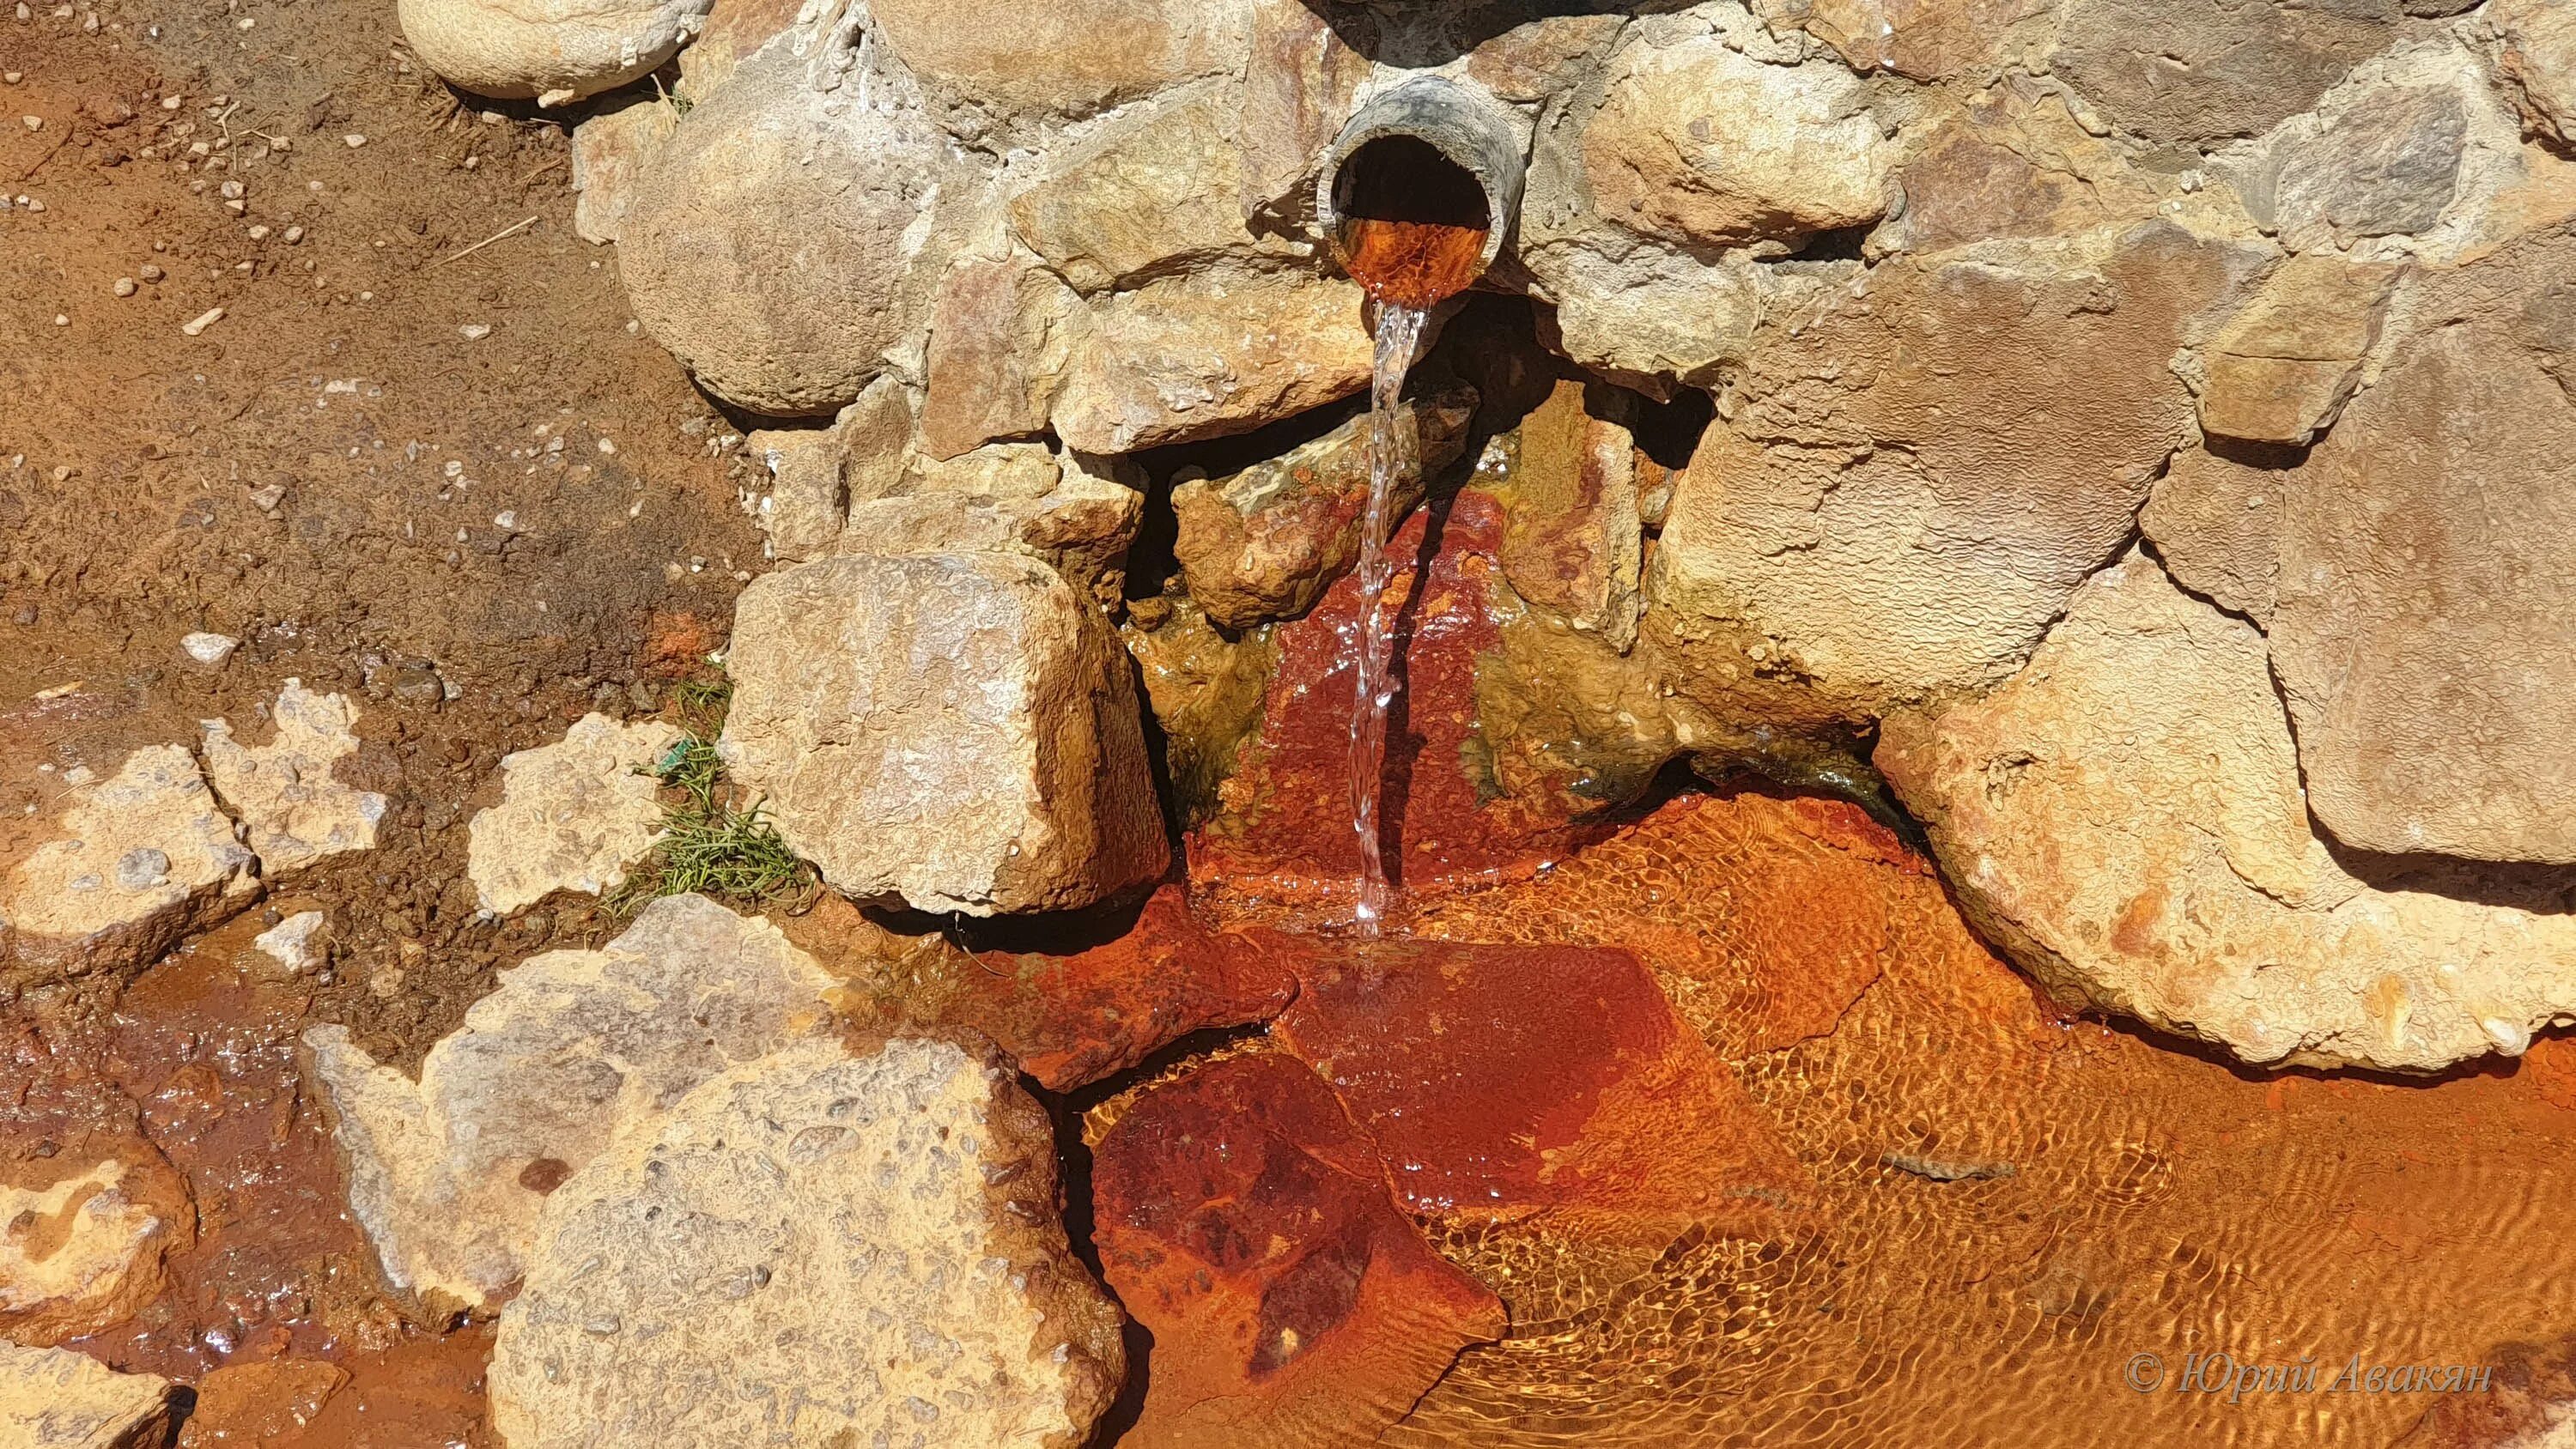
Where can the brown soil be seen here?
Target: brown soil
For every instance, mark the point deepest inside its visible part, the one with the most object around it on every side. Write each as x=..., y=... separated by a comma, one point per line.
x=478, y=538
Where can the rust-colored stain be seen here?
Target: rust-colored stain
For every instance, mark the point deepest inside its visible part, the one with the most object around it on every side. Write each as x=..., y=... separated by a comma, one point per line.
x=1412, y=263
x=1243, y=1220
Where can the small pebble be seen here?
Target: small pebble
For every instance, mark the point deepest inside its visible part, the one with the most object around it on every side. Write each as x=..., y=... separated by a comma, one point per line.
x=259, y=233
x=210, y=649
x=202, y=321
x=606, y=446
x=475, y=331
x=125, y=286
x=506, y=520
x=294, y=234
x=353, y=140
x=34, y=123
x=171, y=103
x=151, y=272
x=13, y=77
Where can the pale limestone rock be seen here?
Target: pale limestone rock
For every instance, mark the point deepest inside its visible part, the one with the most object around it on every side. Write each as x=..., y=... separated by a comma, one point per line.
x=553, y=50
x=53, y=1398
x=1907, y=490
x=2216, y=524
x=138, y=862
x=2428, y=576
x=1210, y=354
x=994, y=471
x=808, y=495
x=960, y=730
x=293, y=811
x=814, y=1249
x=573, y=815
x=1265, y=542
x=83, y=1252
x=300, y=943
x=1050, y=61
x=447, y=1174
x=607, y=148
x=1002, y=336
x=2012, y=164
x=2204, y=70
x=2281, y=372
x=1649, y=315
x=1156, y=189
x=789, y=235
x=2536, y=56
x=1697, y=145
x=1081, y=526
x=2125, y=818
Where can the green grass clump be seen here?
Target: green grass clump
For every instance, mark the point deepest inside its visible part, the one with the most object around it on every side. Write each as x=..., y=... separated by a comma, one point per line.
x=707, y=846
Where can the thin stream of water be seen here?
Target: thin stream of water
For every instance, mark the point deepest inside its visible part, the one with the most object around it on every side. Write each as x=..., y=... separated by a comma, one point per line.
x=1399, y=331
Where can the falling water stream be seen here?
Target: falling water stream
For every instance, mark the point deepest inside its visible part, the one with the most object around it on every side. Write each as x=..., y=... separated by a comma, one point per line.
x=1408, y=267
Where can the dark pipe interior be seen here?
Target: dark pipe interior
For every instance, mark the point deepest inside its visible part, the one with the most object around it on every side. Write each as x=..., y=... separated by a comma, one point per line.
x=1405, y=178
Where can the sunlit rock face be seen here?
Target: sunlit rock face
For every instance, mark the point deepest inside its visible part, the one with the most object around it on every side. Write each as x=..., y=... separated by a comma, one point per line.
x=1958, y=302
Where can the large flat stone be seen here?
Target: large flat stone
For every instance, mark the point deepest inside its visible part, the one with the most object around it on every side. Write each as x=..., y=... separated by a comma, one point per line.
x=2428, y=578
x=1907, y=490
x=1210, y=354
x=2125, y=817
x=447, y=1174
x=814, y=1248
x=2204, y=70
x=959, y=730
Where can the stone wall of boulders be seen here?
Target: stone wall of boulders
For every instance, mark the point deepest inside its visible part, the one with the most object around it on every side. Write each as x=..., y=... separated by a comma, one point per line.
x=2149, y=420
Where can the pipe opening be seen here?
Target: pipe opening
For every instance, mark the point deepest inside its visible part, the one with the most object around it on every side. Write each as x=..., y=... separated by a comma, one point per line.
x=1412, y=221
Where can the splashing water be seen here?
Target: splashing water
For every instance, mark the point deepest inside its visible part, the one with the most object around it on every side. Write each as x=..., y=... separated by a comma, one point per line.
x=1399, y=330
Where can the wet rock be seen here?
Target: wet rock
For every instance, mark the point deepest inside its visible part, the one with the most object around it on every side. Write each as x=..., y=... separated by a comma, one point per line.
x=786, y=237
x=53, y=1398
x=553, y=50
x=1205, y=689
x=2202, y=70
x=88, y=1230
x=1097, y=998
x=300, y=943
x=873, y=1240
x=1924, y=40
x=2416, y=639
x=573, y=815
x=1905, y=491
x=2281, y=372
x=1281, y=831
x=2216, y=523
x=447, y=1174
x=1157, y=189
x=1246, y=1223
x=138, y=862
x=1571, y=534
x=292, y=807
x=1012, y=60
x=2125, y=818
x=1002, y=336
x=959, y=730
x=607, y=148
x=2380, y=161
x=1211, y=354
x=1697, y=144
x=1263, y=543
x=2536, y=57
x=255, y=1405
x=1502, y=1083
